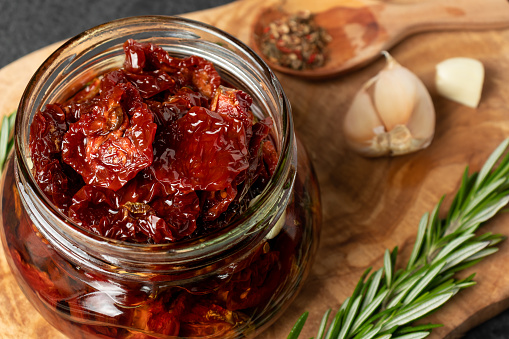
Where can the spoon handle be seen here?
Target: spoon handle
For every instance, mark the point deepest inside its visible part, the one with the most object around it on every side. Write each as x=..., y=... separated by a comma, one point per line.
x=408, y=18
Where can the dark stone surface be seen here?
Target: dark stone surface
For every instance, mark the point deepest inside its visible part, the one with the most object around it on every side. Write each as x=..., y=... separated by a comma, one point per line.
x=28, y=25
x=496, y=328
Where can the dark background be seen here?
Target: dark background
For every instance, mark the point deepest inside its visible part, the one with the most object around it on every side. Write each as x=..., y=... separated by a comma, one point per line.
x=28, y=25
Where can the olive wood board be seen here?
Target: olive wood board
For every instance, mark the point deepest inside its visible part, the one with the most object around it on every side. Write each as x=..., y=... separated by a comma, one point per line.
x=368, y=204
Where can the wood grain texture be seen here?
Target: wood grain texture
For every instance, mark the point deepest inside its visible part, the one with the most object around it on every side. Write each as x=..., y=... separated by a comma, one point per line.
x=368, y=204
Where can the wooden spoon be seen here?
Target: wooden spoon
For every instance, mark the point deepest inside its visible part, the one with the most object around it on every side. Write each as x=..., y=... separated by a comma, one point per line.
x=361, y=29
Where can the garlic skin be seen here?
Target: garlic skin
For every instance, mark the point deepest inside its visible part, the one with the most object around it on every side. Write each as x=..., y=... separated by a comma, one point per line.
x=392, y=114
x=460, y=79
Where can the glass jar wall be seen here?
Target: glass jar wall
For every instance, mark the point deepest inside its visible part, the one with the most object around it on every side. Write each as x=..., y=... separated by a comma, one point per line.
x=231, y=283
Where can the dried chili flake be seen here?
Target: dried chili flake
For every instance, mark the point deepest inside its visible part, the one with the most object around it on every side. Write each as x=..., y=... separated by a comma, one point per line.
x=295, y=41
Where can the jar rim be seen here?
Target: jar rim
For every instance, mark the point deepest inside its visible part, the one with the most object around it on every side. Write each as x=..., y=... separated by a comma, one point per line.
x=219, y=238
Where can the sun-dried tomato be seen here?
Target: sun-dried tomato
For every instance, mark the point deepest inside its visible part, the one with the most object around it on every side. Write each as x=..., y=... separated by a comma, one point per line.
x=109, y=147
x=255, y=284
x=90, y=91
x=38, y=281
x=270, y=156
x=46, y=133
x=235, y=104
x=147, y=57
x=143, y=188
x=202, y=73
x=134, y=56
x=93, y=207
x=176, y=106
x=206, y=319
x=58, y=181
x=162, y=316
x=180, y=212
x=217, y=202
x=151, y=83
x=206, y=152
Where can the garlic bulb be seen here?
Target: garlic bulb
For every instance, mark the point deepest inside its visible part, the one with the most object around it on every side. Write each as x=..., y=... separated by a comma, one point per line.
x=392, y=114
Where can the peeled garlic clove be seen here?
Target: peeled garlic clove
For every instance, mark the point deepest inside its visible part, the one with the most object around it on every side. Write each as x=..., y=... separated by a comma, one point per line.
x=461, y=80
x=280, y=223
x=391, y=114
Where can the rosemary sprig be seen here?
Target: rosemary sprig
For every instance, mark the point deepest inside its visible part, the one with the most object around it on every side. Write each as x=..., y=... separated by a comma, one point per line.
x=386, y=302
x=6, y=137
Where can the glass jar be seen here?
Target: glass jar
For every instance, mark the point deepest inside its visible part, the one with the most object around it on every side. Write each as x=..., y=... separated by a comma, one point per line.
x=228, y=284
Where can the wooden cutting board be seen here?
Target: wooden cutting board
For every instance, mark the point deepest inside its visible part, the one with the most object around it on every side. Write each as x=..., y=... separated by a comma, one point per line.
x=368, y=204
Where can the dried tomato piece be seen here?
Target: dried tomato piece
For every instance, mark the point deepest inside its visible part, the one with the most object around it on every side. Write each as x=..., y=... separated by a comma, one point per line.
x=143, y=188
x=58, y=185
x=58, y=181
x=207, y=152
x=217, y=202
x=93, y=208
x=98, y=210
x=162, y=316
x=38, y=281
x=234, y=103
x=190, y=97
x=91, y=90
x=180, y=212
x=148, y=56
x=255, y=284
x=206, y=319
x=260, y=131
x=46, y=134
x=270, y=156
x=202, y=74
x=137, y=225
x=110, y=80
x=74, y=111
x=176, y=106
x=134, y=56
x=109, y=147
x=151, y=83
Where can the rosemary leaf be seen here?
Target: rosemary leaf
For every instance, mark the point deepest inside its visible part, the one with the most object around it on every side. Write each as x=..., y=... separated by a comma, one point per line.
x=352, y=312
x=488, y=165
x=388, y=268
x=6, y=138
x=323, y=325
x=366, y=313
x=416, y=335
x=425, y=281
x=417, y=311
x=418, y=242
x=373, y=288
x=294, y=333
x=335, y=326
x=363, y=334
x=419, y=328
